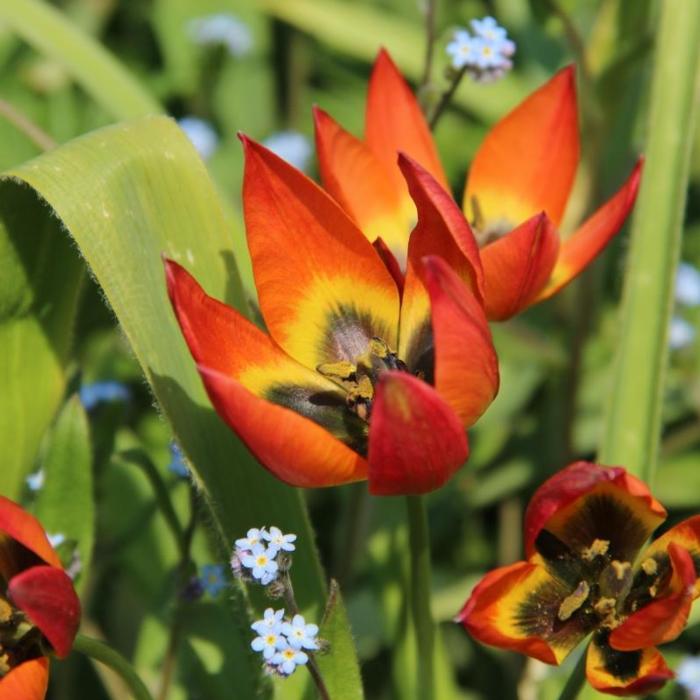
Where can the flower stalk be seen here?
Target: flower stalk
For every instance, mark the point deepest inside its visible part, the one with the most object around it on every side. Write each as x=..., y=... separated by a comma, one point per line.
x=105, y=654
x=423, y=625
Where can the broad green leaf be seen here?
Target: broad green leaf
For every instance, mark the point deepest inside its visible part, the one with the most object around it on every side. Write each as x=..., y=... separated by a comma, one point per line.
x=45, y=28
x=633, y=419
x=39, y=289
x=128, y=194
x=339, y=669
x=65, y=504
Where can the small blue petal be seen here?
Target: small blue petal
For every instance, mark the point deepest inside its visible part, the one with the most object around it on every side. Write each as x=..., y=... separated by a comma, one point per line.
x=36, y=480
x=177, y=464
x=291, y=146
x=202, y=135
x=688, y=284
x=224, y=29
x=100, y=392
x=681, y=333
x=212, y=577
x=688, y=675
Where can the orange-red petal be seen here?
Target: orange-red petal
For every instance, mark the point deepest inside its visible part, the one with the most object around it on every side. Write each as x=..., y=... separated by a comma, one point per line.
x=593, y=235
x=292, y=447
x=515, y=607
x=559, y=494
x=362, y=185
x=323, y=291
x=28, y=681
x=441, y=230
x=18, y=525
x=518, y=265
x=664, y=618
x=528, y=160
x=466, y=366
x=416, y=441
x=46, y=595
x=223, y=341
x=391, y=263
x=686, y=535
x=625, y=673
x=394, y=122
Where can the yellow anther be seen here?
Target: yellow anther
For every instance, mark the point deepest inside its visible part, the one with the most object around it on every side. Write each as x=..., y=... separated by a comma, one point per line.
x=599, y=548
x=342, y=370
x=650, y=567
x=605, y=606
x=573, y=602
x=478, y=220
x=621, y=569
x=653, y=590
x=5, y=612
x=379, y=348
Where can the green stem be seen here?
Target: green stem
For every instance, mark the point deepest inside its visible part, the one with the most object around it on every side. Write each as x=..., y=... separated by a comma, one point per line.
x=633, y=421
x=576, y=680
x=445, y=99
x=423, y=626
x=105, y=654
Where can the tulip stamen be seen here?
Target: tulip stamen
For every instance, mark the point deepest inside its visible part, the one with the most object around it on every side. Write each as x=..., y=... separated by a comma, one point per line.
x=358, y=379
x=20, y=640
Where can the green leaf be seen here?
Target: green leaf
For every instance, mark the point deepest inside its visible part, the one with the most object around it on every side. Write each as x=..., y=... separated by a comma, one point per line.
x=339, y=667
x=633, y=419
x=48, y=31
x=128, y=194
x=39, y=289
x=65, y=504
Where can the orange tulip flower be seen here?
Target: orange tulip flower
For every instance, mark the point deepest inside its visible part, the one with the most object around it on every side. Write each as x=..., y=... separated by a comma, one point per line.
x=588, y=573
x=39, y=610
x=516, y=192
x=364, y=374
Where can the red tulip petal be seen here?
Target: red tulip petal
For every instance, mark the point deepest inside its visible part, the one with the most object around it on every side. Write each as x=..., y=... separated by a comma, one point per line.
x=391, y=263
x=596, y=232
x=686, y=535
x=518, y=265
x=221, y=340
x=394, y=122
x=323, y=291
x=663, y=619
x=28, y=681
x=527, y=162
x=466, y=366
x=18, y=526
x=362, y=185
x=516, y=607
x=441, y=230
x=645, y=671
x=46, y=595
x=556, y=501
x=416, y=441
x=293, y=448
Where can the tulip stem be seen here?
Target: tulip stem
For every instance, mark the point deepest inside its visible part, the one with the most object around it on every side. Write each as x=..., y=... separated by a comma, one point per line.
x=105, y=654
x=419, y=590
x=576, y=680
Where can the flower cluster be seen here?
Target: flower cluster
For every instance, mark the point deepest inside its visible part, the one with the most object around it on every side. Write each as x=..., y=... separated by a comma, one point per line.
x=282, y=642
x=486, y=54
x=256, y=554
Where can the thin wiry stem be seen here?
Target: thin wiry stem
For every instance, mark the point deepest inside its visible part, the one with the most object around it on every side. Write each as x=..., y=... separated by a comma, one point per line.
x=22, y=123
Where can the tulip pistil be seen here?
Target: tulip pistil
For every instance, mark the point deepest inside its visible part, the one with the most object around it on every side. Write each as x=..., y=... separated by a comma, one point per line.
x=358, y=378
x=486, y=232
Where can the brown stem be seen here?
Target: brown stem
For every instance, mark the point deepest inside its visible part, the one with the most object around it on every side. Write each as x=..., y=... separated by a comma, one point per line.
x=445, y=99
x=429, y=44
x=293, y=608
x=34, y=133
